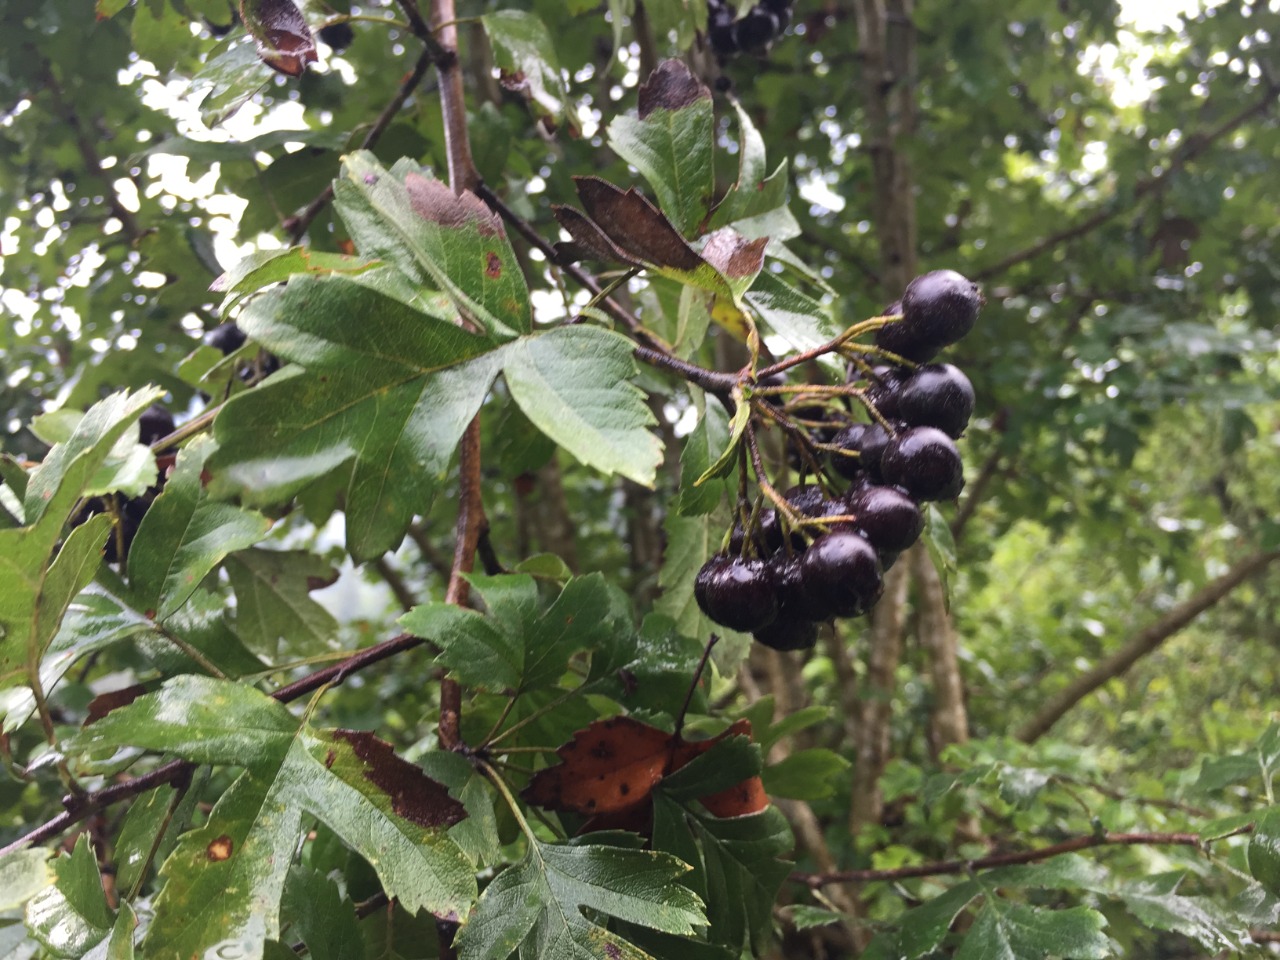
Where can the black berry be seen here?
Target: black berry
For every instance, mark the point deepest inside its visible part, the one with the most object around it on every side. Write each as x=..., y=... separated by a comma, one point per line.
x=935, y=395
x=756, y=29
x=887, y=517
x=226, y=337
x=938, y=309
x=924, y=461
x=788, y=634
x=338, y=35
x=841, y=574
x=156, y=422
x=737, y=593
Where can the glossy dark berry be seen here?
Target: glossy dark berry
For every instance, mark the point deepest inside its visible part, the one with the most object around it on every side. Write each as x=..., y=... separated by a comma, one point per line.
x=935, y=395
x=924, y=461
x=756, y=29
x=226, y=337
x=842, y=574
x=156, y=422
x=738, y=593
x=887, y=517
x=788, y=634
x=938, y=309
x=869, y=439
x=807, y=500
x=338, y=35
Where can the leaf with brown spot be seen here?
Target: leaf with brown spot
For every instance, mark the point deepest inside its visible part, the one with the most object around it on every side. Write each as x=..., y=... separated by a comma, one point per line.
x=414, y=795
x=738, y=259
x=284, y=40
x=220, y=848
x=672, y=86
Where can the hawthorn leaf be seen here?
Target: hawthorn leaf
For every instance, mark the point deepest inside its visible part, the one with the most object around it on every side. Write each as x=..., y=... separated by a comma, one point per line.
x=225, y=880
x=1006, y=930
x=1263, y=760
x=74, y=463
x=200, y=719
x=738, y=866
x=284, y=40
x=796, y=317
x=671, y=142
x=129, y=467
x=922, y=929
x=723, y=464
x=147, y=816
x=526, y=59
x=72, y=916
x=737, y=259
x=319, y=915
x=536, y=906
x=1155, y=901
x=120, y=945
x=477, y=834
x=389, y=390
x=275, y=614
x=756, y=191
x=265, y=268
x=806, y=775
x=184, y=535
x=516, y=646
x=232, y=74
x=1264, y=851
x=574, y=383
x=23, y=874
x=417, y=223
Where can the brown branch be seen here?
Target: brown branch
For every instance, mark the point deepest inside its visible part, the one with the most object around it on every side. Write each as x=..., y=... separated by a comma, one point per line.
x=297, y=226
x=1192, y=147
x=1141, y=644
x=815, y=880
x=463, y=176
x=83, y=807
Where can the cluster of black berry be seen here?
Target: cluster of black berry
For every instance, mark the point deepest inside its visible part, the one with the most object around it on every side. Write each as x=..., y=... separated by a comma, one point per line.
x=761, y=25
x=778, y=585
x=228, y=338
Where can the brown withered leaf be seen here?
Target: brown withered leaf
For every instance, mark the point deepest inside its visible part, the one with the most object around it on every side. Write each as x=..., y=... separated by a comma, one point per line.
x=285, y=43
x=414, y=795
x=589, y=241
x=104, y=703
x=609, y=771
x=638, y=228
x=734, y=255
x=672, y=86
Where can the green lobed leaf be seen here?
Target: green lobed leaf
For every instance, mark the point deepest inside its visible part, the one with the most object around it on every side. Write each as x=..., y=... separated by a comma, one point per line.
x=796, y=317
x=1005, y=930
x=225, y=880
x=574, y=384
x=738, y=866
x=72, y=916
x=232, y=74
x=756, y=191
x=156, y=810
x=526, y=55
x=1156, y=902
x=477, y=835
x=1261, y=761
x=922, y=929
x=317, y=913
x=200, y=719
x=23, y=874
x=725, y=461
x=671, y=141
x=184, y=535
x=1264, y=851
x=275, y=615
x=432, y=235
x=806, y=775
x=263, y=268
x=536, y=906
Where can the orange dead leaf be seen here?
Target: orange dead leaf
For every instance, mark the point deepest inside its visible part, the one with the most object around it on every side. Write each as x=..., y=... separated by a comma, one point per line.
x=609, y=770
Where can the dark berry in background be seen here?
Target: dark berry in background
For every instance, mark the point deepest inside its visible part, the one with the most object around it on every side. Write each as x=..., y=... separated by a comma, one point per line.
x=924, y=461
x=155, y=423
x=226, y=337
x=338, y=35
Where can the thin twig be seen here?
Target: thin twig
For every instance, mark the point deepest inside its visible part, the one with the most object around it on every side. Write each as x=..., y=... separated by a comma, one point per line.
x=815, y=880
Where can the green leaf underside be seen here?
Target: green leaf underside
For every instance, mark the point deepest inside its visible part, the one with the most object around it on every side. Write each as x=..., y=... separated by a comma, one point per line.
x=275, y=614
x=535, y=907
x=1006, y=930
